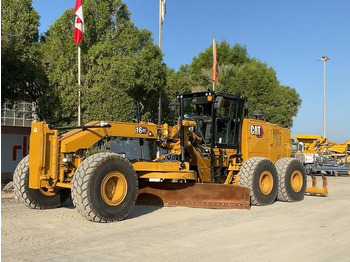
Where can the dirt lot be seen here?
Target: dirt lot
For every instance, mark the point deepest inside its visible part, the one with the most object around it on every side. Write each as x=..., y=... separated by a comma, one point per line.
x=316, y=229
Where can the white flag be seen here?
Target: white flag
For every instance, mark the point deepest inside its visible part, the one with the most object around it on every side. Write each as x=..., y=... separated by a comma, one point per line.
x=162, y=10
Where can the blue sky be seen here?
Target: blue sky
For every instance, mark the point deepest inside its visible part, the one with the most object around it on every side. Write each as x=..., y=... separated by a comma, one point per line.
x=288, y=35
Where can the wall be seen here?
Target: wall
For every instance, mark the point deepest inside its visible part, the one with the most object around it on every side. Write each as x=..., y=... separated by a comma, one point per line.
x=14, y=146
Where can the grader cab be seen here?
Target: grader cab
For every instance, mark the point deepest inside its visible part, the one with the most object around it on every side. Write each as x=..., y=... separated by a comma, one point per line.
x=215, y=157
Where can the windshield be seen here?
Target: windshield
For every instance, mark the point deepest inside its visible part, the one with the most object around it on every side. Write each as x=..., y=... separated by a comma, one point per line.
x=196, y=107
x=199, y=109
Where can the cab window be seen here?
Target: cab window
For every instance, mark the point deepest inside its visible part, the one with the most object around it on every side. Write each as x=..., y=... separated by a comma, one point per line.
x=227, y=123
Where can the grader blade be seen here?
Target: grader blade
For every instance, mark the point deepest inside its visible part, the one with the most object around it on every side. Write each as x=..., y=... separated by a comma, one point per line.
x=314, y=190
x=216, y=196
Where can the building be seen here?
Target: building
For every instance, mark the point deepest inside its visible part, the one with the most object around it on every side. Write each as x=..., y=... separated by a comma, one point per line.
x=15, y=131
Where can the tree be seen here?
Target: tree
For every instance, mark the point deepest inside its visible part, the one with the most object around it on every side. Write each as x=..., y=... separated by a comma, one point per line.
x=176, y=83
x=240, y=74
x=21, y=72
x=227, y=55
x=120, y=65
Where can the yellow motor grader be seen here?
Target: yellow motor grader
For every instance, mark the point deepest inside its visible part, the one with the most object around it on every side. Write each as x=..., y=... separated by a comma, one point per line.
x=215, y=157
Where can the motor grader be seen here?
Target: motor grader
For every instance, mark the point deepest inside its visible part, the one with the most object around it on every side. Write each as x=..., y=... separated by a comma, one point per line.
x=214, y=157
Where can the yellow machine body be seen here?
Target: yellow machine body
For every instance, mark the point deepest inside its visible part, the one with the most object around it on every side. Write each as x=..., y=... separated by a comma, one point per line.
x=263, y=139
x=47, y=150
x=189, y=180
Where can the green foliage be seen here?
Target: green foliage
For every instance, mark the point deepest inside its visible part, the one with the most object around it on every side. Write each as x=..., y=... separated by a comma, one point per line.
x=240, y=74
x=201, y=71
x=177, y=83
x=120, y=65
x=21, y=72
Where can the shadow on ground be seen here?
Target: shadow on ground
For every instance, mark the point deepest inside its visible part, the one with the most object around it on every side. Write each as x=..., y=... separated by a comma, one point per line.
x=138, y=210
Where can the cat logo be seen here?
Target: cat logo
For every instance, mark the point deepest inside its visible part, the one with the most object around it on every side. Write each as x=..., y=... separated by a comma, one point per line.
x=257, y=131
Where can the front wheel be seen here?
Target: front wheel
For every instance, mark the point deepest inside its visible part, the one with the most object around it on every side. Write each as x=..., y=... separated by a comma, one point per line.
x=105, y=187
x=35, y=198
x=260, y=176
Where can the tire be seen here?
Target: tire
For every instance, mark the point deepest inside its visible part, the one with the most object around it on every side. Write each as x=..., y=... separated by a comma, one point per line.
x=105, y=187
x=292, y=180
x=260, y=176
x=35, y=198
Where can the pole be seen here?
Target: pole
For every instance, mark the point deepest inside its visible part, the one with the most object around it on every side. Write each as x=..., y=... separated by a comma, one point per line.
x=79, y=84
x=160, y=88
x=324, y=59
x=160, y=47
x=324, y=98
x=160, y=25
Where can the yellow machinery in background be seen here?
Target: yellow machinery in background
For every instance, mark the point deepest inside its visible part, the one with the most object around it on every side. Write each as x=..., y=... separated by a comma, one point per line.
x=214, y=157
x=321, y=155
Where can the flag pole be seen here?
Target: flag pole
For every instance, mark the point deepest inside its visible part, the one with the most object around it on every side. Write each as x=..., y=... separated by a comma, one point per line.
x=79, y=84
x=78, y=36
x=160, y=47
x=160, y=25
x=160, y=89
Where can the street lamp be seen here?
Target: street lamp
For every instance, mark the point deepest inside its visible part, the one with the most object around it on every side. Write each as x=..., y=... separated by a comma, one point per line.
x=324, y=59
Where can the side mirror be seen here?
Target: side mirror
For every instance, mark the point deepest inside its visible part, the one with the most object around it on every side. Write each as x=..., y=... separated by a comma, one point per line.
x=218, y=102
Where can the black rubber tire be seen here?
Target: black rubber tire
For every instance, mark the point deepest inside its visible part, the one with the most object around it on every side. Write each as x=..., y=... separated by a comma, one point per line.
x=249, y=177
x=285, y=168
x=33, y=198
x=86, y=187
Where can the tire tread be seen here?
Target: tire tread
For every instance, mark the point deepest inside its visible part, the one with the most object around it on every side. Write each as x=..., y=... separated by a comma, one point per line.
x=246, y=177
x=81, y=182
x=20, y=183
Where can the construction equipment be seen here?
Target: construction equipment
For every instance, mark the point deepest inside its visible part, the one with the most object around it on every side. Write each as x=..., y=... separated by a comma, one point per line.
x=215, y=157
x=318, y=154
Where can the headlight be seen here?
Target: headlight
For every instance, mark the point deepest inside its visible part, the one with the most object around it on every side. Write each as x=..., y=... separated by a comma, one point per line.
x=104, y=123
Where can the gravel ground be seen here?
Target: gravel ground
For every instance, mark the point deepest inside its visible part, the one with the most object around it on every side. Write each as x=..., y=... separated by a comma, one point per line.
x=316, y=229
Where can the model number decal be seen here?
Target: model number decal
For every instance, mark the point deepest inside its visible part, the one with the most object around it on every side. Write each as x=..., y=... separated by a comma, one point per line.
x=141, y=130
x=257, y=131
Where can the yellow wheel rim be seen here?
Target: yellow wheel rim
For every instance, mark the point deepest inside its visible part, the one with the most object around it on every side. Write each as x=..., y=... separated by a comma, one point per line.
x=114, y=188
x=296, y=180
x=266, y=182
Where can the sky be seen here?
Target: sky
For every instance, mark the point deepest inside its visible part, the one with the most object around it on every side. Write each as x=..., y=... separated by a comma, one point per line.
x=288, y=35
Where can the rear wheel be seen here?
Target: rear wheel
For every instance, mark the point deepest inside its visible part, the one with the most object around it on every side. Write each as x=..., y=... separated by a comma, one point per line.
x=260, y=176
x=105, y=187
x=292, y=180
x=35, y=198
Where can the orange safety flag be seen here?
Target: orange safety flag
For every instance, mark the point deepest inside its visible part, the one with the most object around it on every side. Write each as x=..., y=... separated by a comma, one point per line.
x=215, y=64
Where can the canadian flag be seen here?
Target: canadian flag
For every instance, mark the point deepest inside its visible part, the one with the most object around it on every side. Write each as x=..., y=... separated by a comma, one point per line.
x=79, y=22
